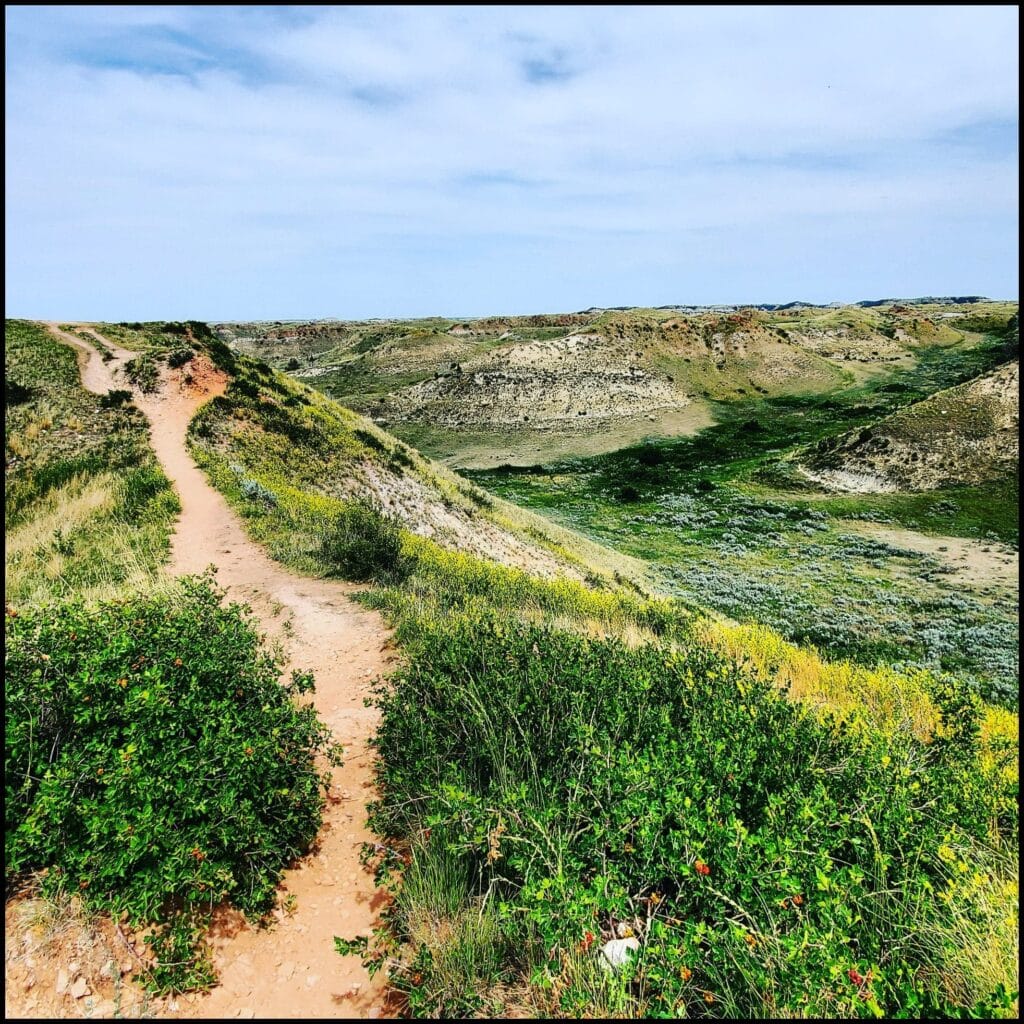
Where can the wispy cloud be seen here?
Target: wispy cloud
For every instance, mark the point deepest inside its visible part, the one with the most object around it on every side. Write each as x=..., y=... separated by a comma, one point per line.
x=229, y=162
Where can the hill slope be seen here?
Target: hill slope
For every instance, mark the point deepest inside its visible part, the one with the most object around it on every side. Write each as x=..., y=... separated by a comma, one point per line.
x=286, y=454
x=527, y=389
x=968, y=434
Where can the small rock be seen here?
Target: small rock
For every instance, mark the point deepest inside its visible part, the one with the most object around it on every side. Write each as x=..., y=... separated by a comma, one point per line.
x=616, y=953
x=74, y=967
x=105, y=1009
x=80, y=988
x=62, y=982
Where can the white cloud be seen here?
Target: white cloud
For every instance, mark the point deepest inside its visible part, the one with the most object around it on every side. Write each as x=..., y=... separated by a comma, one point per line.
x=289, y=134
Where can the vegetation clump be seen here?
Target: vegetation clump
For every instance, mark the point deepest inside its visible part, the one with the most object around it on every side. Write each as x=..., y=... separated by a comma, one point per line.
x=363, y=543
x=179, y=357
x=556, y=791
x=143, y=373
x=154, y=763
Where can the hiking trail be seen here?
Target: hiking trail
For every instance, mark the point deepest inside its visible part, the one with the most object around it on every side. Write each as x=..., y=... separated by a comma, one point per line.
x=290, y=970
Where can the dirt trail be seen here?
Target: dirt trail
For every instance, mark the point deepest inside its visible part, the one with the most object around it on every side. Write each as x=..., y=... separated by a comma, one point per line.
x=292, y=969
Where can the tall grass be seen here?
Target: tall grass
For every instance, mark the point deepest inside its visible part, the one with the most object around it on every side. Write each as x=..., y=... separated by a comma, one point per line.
x=87, y=510
x=761, y=853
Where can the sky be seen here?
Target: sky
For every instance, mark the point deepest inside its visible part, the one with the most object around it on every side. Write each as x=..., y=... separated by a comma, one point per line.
x=232, y=163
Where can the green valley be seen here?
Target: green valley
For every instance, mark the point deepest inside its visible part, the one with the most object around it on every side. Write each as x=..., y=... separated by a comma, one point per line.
x=675, y=729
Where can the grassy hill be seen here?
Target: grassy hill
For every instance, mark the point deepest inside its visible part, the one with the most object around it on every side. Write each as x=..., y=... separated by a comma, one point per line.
x=566, y=760
x=87, y=509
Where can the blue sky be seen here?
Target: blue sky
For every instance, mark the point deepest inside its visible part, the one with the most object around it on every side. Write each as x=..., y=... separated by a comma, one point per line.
x=278, y=163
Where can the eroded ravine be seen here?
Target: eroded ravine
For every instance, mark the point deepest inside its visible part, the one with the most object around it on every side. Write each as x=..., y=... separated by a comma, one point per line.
x=290, y=970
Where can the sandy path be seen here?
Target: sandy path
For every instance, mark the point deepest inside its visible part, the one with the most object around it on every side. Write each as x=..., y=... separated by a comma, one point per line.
x=292, y=969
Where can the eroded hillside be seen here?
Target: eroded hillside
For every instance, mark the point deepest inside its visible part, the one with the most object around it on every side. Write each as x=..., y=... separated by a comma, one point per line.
x=964, y=435
x=281, y=448
x=525, y=389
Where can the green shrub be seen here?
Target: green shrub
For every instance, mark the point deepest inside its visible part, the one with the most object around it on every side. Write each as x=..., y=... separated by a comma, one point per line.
x=200, y=330
x=767, y=857
x=255, y=491
x=179, y=357
x=115, y=398
x=362, y=543
x=15, y=393
x=153, y=761
x=371, y=441
x=221, y=354
x=142, y=372
x=650, y=455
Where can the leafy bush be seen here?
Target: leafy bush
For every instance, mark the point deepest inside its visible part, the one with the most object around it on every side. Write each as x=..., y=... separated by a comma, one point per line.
x=200, y=330
x=371, y=441
x=221, y=354
x=115, y=398
x=255, y=491
x=15, y=393
x=771, y=861
x=153, y=761
x=362, y=543
x=179, y=357
x=142, y=372
x=650, y=455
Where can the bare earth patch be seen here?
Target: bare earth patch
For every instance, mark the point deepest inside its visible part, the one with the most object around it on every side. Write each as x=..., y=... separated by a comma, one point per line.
x=981, y=563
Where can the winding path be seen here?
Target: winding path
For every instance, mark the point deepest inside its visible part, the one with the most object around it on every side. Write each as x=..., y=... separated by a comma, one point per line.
x=290, y=970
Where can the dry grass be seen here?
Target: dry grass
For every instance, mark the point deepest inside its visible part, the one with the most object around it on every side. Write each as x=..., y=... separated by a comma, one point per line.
x=892, y=700
x=64, y=510
x=74, y=545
